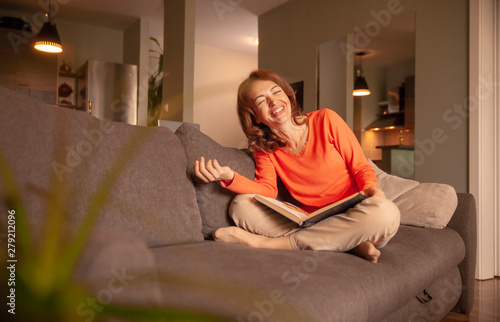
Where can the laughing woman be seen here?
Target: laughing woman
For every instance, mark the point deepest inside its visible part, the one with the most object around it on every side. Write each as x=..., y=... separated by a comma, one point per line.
x=319, y=160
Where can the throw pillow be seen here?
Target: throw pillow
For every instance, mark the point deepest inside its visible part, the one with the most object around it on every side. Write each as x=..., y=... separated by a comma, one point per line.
x=392, y=186
x=429, y=205
x=213, y=199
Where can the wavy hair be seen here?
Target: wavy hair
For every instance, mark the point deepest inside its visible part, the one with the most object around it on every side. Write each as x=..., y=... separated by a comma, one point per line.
x=260, y=135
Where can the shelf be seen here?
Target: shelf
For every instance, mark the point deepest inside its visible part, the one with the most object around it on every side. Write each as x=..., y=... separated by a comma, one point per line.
x=391, y=114
x=66, y=105
x=400, y=147
x=69, y=75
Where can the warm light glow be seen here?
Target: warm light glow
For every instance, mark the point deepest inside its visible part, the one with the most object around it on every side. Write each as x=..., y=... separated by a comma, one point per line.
x=48, y=39
x=376, y=129
x=390, y=127
x=361, y=92
x=49, y=47
x=256, y=40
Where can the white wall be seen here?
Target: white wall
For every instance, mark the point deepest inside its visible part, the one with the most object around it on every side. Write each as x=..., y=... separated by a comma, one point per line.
x=217, y=75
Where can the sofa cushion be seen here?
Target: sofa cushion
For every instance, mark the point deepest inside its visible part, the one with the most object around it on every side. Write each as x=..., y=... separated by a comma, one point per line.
x=109, y=254
x=392, y=186
x=429, y=205
x=55, y=151
x=288, y=285
x=213, y=200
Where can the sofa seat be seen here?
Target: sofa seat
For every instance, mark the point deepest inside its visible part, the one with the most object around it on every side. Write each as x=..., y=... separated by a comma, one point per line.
x=214, y=277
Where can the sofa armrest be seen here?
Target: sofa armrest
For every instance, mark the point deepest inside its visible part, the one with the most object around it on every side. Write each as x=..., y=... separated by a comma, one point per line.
x=118, y=267
x=464, y=223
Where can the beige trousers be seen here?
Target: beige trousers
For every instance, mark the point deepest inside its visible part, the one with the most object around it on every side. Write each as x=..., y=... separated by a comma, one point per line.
x=375, y=220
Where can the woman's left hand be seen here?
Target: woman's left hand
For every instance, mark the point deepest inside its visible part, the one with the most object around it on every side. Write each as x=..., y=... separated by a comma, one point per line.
x=373, y=192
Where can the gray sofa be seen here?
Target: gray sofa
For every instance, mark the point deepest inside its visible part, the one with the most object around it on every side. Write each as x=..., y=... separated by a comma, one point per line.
x=150, y=245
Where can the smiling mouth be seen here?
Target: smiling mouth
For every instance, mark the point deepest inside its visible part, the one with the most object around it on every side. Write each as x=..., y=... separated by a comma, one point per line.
x=279, y=110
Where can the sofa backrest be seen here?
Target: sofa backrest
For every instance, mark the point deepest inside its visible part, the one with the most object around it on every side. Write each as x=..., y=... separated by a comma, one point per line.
x=57, y=152
x=213, y=200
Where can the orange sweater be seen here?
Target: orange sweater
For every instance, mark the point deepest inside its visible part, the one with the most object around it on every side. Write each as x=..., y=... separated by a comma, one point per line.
x=330, y=167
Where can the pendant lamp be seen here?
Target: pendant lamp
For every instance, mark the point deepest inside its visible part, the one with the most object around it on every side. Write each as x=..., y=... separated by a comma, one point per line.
x=360, y=85
x=48, y=39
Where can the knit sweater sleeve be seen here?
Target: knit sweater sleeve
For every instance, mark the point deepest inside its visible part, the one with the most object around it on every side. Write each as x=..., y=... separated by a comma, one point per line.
x=265, y=182
x=349, y=148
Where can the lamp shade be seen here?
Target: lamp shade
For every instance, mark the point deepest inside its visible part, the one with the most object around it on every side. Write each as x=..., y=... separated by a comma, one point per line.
x=360, y=87
x=48, y=39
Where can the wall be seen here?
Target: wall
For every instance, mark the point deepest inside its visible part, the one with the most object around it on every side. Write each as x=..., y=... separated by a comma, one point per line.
x=289, y=36
x=178, y=63
x=218, y=73
x=133, y=54
x=90, y=42
x=332, y=71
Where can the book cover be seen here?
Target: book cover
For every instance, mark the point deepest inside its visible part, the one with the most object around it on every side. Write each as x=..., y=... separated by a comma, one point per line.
x=305, y=219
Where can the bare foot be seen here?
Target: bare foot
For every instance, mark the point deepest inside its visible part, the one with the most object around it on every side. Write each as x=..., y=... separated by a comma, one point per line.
x=367, y=251
x=236, y=235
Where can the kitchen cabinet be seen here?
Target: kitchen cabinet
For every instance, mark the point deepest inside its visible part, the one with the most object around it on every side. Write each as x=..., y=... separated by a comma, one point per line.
x=26, y=70
x=398, y=160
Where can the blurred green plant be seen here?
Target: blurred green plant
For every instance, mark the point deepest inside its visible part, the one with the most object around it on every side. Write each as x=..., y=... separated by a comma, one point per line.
x=155, y=89
x=44, y=288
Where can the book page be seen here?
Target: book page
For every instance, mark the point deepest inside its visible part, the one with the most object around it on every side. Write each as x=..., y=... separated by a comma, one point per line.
x=292, y=209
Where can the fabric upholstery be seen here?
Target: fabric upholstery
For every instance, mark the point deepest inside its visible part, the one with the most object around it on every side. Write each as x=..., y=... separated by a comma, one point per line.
x=444, y=291
x=281, y=285
x=124, y=259
x=429, y=205
x=213, y=200
x=59, y=152
x=464, y=223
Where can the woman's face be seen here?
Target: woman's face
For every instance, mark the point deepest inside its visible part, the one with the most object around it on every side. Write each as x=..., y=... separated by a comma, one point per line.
x=270, y=103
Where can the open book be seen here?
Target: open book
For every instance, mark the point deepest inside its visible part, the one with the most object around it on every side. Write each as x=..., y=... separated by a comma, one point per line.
x=305, y=219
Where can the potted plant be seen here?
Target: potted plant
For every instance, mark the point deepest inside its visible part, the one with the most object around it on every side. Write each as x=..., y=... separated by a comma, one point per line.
x=155, y=88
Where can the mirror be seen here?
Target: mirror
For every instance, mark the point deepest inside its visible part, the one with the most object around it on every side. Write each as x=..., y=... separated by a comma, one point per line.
x=383, y=121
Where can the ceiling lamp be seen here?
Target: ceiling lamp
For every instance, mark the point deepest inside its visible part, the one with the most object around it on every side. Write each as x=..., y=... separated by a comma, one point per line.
x=48, y=39
x=360, y=85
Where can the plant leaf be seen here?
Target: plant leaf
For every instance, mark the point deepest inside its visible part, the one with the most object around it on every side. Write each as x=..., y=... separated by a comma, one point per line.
x=25, y=245
x=157, y=42
x=70, y=256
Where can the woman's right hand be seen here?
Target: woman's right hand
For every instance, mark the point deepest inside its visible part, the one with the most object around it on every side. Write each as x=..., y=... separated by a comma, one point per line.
x=212, y=171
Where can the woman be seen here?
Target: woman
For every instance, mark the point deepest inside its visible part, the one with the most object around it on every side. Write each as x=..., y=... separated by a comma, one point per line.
x=318, y=159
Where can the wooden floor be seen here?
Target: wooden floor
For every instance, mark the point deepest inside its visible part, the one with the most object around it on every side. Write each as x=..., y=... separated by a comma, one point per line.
x=486, y=303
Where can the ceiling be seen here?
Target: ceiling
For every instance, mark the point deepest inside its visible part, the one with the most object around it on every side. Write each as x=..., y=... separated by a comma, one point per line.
x=219, y=23
x=117, y=14
x=227, y=24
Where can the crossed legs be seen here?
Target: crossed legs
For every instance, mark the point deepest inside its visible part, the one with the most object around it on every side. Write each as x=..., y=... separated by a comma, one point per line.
x=361, y=230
